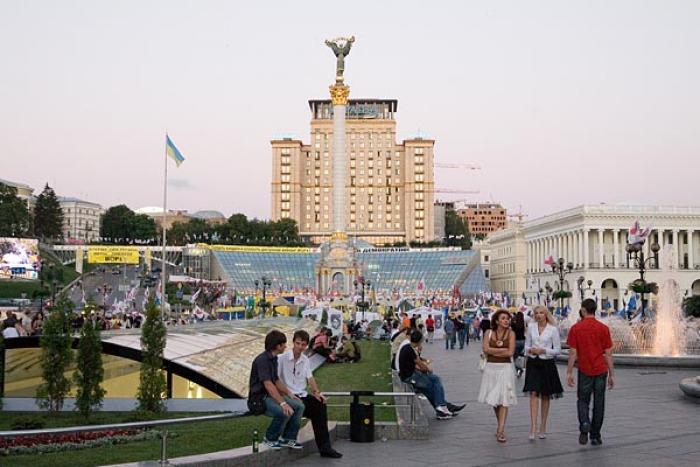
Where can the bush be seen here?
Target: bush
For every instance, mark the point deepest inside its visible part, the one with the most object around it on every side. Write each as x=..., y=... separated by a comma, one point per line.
x=691, y=306
x=56, y=356
x=31, y=422
x=561, y=294
x=90, y=372
x=152, y=386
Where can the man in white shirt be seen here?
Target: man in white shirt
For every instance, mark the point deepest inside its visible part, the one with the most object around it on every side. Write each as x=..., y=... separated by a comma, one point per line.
x=295, y=372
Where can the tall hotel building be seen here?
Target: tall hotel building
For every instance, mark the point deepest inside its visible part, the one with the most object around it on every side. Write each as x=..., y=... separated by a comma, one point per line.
x=390, y=185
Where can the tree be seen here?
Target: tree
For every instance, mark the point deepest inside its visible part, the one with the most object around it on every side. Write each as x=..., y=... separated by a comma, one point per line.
x=56, y=355
x=48, y=216
x=142, y=228
x=456, y=231
x=116, y=224
x=90, y=372
x=691, y=306
x=15, y=220
x=152, y=384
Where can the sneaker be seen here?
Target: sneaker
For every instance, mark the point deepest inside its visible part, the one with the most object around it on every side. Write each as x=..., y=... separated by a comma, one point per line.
x=583, y=436
x=291, y=444
x=443, y=415
x=275, y=445
x=455, y=408
x=331, y=453
x=596, y=441
x=519, y=372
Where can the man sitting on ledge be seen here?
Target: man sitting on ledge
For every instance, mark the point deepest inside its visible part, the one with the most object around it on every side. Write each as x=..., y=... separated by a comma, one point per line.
x=414, y=370
x=295, y=373
x=278, y=402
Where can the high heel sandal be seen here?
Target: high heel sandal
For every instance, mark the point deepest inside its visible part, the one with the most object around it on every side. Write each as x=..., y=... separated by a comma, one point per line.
x=531, y=436
x=501, y=437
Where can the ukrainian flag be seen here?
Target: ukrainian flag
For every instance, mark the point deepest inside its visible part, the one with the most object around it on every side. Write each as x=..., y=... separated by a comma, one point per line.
x=172, y=151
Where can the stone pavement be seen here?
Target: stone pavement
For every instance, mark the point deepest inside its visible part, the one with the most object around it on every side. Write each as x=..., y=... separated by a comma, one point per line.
x=647, y=422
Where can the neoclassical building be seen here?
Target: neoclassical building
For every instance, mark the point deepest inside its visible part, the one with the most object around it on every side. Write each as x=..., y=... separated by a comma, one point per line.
x=593, y=239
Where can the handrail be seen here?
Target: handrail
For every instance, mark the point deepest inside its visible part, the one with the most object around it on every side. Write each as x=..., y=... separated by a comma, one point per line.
x=117, y=426
x=378, y=394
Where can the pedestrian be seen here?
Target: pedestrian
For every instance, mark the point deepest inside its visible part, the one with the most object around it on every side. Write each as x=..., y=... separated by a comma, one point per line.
x=460, y=330
x=485, y=324
x=518, y=326
x=542, y=345
x=430, y=328
x=590, y=345
x=498, y=379
x=449, y=328
x=295, y=372
x=476, y=323
x=268, y=395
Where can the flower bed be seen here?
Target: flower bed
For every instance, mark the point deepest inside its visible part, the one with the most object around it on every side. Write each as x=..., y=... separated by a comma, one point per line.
x=70, y=441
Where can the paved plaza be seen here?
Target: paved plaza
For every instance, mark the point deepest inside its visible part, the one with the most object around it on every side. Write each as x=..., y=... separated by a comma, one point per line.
x=647, y=422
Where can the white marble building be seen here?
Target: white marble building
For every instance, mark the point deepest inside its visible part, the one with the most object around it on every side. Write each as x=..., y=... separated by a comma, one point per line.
x=593, y=238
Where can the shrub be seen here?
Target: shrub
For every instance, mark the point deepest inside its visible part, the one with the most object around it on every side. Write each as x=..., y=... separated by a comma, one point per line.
x=31, y=422
x=152, y=386
x=691, y=306
x=90, y=372
x=56, y=356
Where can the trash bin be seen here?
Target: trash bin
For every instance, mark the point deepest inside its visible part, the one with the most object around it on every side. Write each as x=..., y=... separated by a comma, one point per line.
x=361, y=418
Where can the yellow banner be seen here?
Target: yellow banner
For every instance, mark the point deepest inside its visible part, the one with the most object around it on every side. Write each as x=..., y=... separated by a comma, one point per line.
x=113, y=255
x=257, y=249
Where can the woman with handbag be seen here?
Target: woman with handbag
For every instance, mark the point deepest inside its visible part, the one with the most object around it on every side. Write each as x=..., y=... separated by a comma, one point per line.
x=498, y=380
x=542, y=344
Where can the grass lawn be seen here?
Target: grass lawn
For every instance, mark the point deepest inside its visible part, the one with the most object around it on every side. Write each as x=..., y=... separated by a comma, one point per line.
x=371, y=373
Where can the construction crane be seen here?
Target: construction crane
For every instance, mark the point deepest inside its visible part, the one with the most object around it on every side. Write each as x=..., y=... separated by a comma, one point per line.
x=518, y=215
x=442, y=165
x=460, y=192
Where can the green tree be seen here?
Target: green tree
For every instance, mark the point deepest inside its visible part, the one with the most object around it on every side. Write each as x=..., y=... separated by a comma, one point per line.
x=142, y=228
x=456, y=231
x=152, y=385
x=116, y=224
x=691, y=306
x=48, y=216
x=15, y=220
x=90, y=372
x=56, y=355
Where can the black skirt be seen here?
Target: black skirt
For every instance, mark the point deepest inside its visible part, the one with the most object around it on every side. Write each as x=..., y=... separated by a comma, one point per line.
x=542, y=378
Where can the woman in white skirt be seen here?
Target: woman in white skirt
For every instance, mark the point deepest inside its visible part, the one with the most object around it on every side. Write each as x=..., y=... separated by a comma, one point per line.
x=498, y=380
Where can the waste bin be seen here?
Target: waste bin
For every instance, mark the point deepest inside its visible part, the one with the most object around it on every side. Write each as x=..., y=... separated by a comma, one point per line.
x=361, y=418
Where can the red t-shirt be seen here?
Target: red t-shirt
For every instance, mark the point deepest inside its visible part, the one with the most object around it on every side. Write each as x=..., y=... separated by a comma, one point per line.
x=591, y=339
x=430, y=324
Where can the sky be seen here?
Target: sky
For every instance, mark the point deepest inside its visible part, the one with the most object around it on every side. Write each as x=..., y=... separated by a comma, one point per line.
x=560, y=103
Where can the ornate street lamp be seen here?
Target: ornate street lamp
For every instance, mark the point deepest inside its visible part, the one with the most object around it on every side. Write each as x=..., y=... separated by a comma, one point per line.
x=265, y=282
x=561, y=270
x=360, y=283
x=635, y=254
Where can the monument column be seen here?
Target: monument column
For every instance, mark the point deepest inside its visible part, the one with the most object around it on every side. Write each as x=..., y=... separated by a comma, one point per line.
x=339, y=96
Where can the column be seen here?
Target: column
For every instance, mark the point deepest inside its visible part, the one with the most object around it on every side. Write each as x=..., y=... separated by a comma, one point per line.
x=585, y=248
x=600, y=248
x=660, y=235
x=616, y=249
x=560, y=246
x=529, y=257
x=677, y=247
x=339, y=97
x=691, y=264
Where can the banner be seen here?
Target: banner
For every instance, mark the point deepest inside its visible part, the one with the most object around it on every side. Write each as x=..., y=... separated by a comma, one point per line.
x=79, y=260
x=257, y=249
x=113, y=255
x=335, y=321
x=19, y=258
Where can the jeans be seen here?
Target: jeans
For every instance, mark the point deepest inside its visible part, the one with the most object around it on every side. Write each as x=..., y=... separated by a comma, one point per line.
x=463, y=336
x=594, y=385
x=450, y=340
x=430, y=385
x=315, y=411
x=281, y=425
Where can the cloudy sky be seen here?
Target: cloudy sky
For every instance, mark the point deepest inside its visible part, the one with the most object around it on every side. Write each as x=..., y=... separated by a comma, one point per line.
x=560, y=102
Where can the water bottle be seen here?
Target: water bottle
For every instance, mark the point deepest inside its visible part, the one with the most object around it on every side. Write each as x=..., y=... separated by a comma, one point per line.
x=255, y=440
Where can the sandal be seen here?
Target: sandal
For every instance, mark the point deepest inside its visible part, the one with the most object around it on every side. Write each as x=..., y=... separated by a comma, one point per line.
x=501, y=437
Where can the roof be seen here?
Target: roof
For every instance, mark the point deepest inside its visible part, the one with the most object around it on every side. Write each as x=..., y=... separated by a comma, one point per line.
x=69, y=199
x=15, y=184
x=207, y=215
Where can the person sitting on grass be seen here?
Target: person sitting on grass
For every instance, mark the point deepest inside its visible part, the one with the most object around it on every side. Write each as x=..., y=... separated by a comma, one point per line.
x=415, y=370
x=349, y=351
x=322, y=345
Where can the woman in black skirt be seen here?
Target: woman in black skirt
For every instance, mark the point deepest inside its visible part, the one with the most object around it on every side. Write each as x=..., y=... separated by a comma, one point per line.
x=542, y=344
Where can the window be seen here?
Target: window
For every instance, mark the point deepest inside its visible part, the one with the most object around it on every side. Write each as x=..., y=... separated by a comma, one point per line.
x=419, y=177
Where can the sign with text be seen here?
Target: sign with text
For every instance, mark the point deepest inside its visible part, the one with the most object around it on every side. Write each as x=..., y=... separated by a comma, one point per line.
x=113, y=255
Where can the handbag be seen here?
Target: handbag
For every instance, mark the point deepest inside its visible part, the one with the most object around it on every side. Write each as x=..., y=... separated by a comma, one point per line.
x=256, y=405
x=520, y=361
x=482, y=362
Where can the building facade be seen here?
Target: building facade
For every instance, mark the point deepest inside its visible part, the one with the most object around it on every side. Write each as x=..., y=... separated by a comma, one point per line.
x=483, y=218
x=81, y=219
x=593, y=238
x=390, y=185
x=508, y=265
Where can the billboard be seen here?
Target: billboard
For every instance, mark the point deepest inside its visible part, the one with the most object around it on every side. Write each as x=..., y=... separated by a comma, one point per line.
x=19, y=258
x=113, y=255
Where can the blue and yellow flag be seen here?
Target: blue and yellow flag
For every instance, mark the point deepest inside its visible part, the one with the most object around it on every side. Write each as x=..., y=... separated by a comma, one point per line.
x=172, y=151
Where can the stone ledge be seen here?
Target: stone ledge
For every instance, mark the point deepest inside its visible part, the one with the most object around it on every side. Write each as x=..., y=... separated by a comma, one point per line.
x=420, y=429
x=691, y=388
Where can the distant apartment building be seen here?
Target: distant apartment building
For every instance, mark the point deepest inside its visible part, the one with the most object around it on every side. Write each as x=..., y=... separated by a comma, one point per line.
x=24, y=191
x=390, y=184
x=81, y=219
x=483, y=218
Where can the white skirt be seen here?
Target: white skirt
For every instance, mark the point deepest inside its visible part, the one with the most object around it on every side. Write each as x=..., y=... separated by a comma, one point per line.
x=498, y=385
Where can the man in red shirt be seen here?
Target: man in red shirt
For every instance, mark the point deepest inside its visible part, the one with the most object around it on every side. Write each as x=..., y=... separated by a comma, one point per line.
x=430, y=327
x=590, y=344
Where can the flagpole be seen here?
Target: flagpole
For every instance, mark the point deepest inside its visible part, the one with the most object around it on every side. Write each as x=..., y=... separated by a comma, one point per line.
x=165, y=206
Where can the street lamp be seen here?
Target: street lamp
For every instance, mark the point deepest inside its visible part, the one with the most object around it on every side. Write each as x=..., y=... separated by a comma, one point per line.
x=579, y=282
x=561, y=270
x=361, y=283
x=265, y=283
x=548, y=288
x=105, y=290
x=635, y=253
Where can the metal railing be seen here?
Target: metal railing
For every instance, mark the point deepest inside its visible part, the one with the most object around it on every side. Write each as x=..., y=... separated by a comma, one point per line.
x=410, y=396
x=128, y=425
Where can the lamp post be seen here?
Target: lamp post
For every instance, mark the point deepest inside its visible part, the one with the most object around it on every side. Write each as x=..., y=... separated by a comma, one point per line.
x=105, y=290
x=579, y=282
x=360, y=283
x=635, y=253
x=561, y=270
x=548, y=289
x=265, y=282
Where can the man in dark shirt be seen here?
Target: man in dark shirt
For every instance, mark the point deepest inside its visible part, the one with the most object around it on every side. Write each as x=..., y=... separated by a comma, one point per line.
x=414, y=370
x=591, y=346
x=284, y=407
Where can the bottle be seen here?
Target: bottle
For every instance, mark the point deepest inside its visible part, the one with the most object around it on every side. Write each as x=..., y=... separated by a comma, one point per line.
x=255, y=440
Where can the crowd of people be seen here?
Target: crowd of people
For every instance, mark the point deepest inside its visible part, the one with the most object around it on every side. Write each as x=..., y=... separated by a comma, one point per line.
x=28, y=323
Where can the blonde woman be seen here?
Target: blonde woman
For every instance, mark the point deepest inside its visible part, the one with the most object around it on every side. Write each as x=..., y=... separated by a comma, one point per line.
x=498, y=380
x=542, y=344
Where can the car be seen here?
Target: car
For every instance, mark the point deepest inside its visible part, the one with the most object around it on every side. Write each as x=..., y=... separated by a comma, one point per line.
x=116, y=271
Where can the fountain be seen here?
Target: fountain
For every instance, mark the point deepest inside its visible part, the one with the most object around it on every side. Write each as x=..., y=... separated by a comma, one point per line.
x=664, y=337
